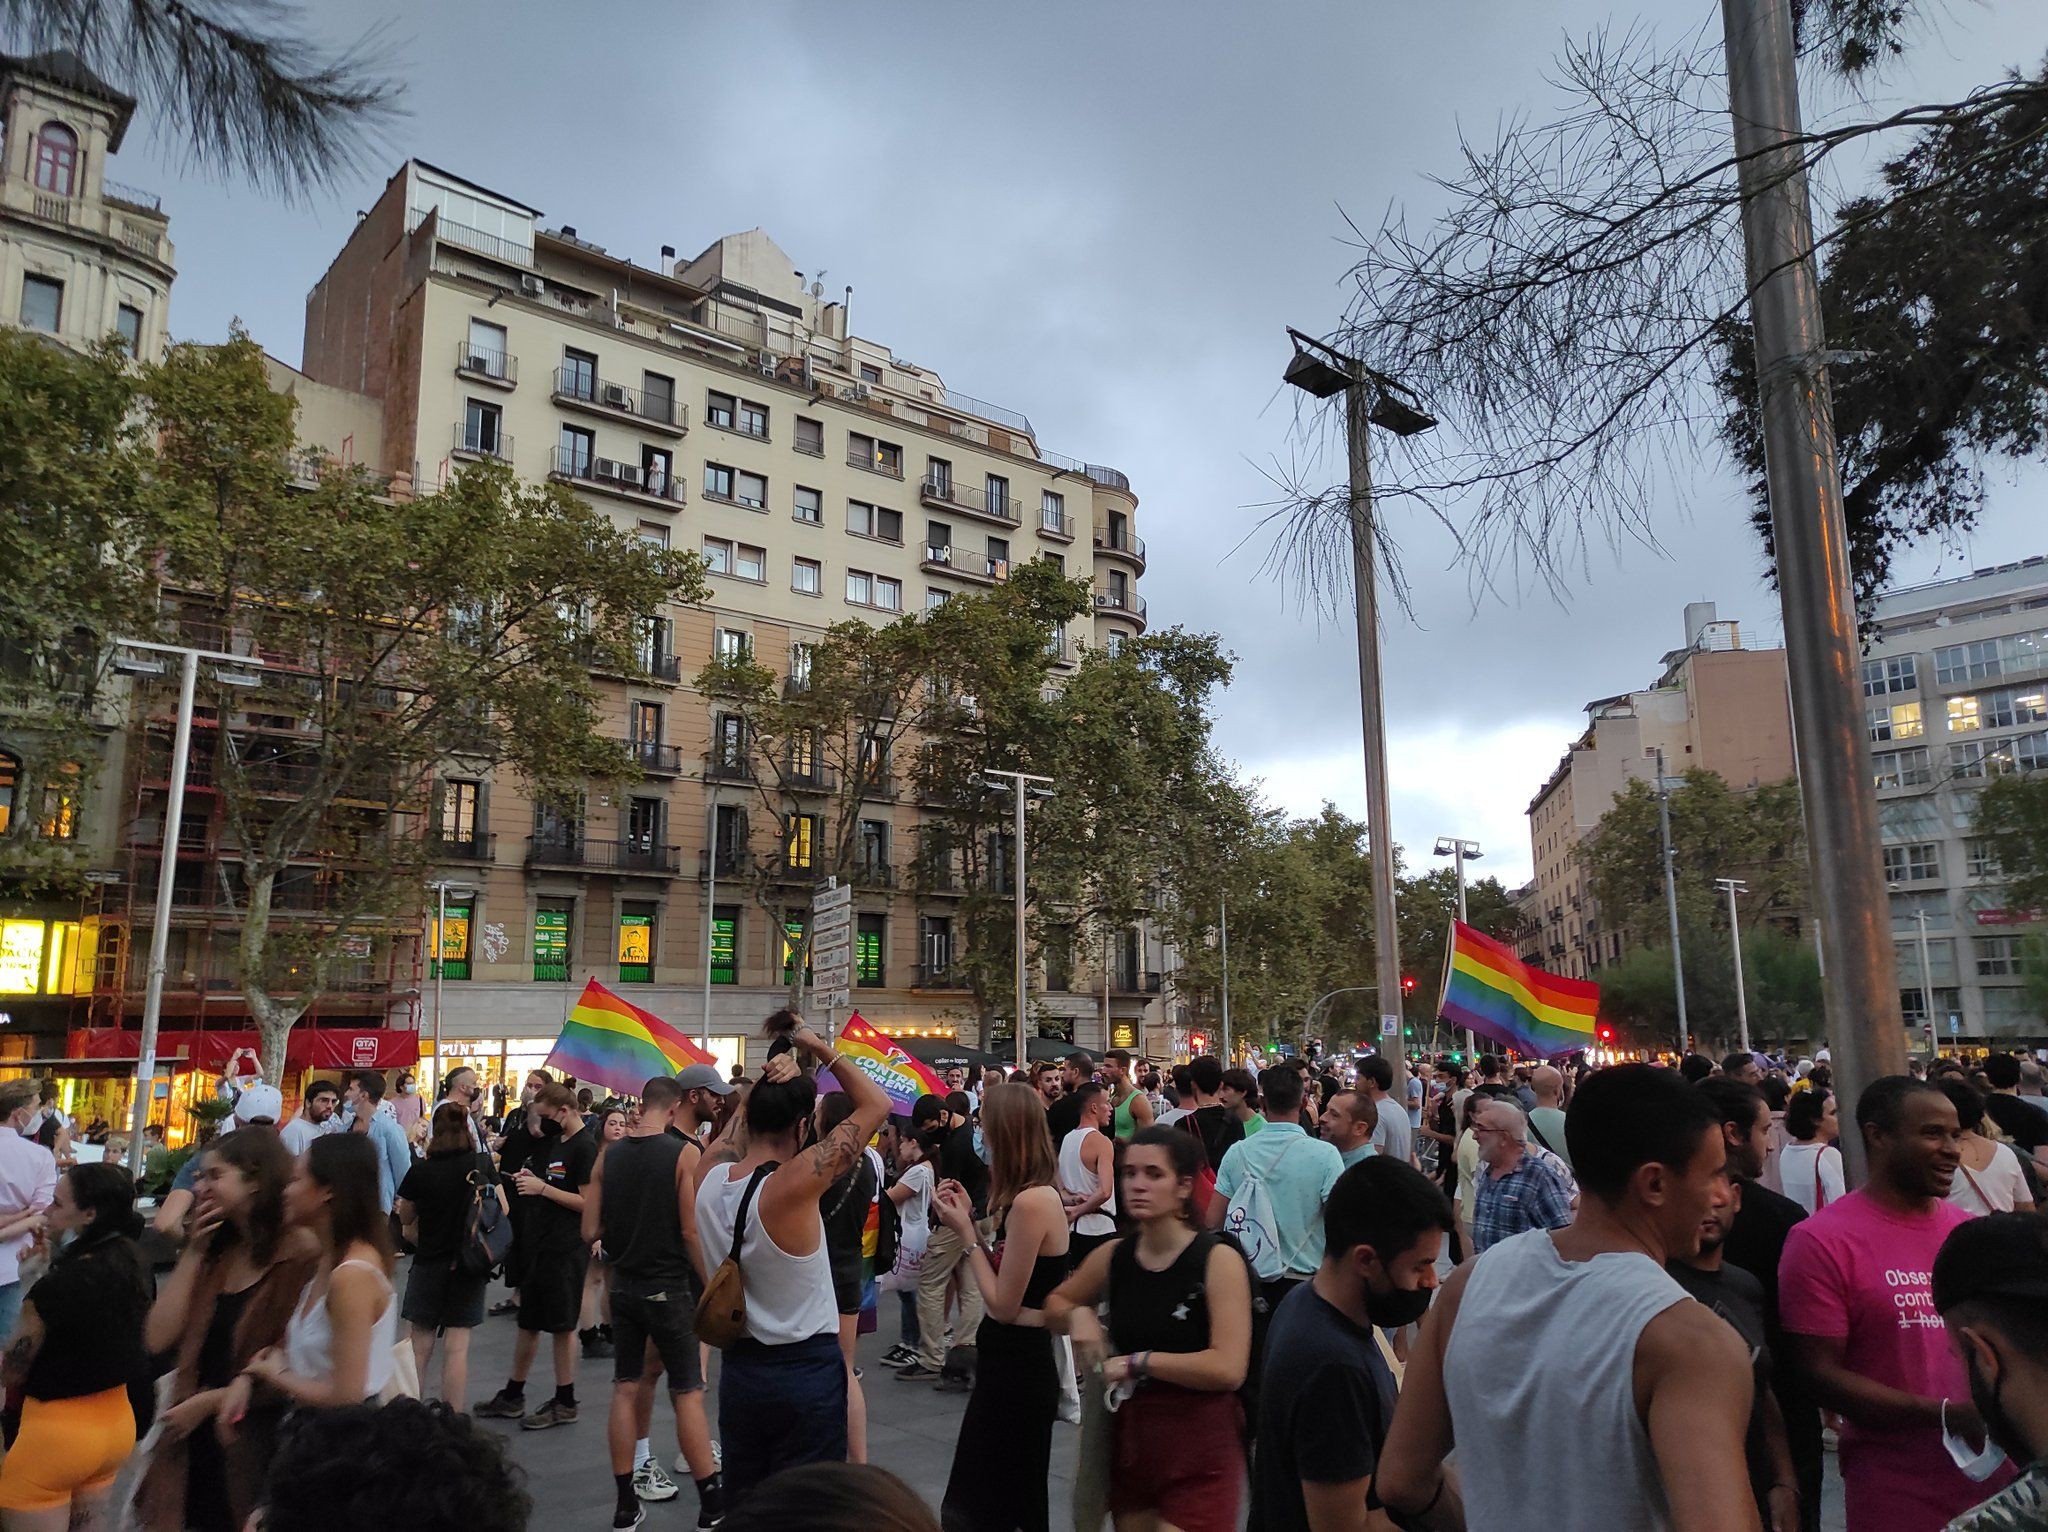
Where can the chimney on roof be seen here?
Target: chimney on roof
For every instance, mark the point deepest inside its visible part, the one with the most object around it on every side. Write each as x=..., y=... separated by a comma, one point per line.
x=568, y=231
x=668, y=260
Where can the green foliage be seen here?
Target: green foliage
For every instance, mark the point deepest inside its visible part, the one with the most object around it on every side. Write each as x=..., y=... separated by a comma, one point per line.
x=76, y=520
x=397, y=633
x=1758, y=836
x=1780, y=976
x=1934, y=287
x=2012, y=813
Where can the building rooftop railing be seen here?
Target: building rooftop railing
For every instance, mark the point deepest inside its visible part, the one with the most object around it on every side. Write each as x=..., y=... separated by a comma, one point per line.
x=132, y=195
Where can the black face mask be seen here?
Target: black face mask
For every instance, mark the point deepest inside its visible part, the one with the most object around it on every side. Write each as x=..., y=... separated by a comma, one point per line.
x=1401, y=1306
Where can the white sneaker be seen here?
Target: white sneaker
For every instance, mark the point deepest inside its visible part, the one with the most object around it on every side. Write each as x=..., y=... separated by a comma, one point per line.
x=717, y=1462
x=650, y=1483
x=1070, y=1411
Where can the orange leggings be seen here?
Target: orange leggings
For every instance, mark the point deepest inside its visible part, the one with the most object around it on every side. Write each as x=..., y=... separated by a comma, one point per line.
x=66, y=1446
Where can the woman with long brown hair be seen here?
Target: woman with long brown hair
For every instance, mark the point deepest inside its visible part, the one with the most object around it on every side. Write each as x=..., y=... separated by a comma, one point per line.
x=337, y=1347
x=230, y=1295
x=1004, y=1454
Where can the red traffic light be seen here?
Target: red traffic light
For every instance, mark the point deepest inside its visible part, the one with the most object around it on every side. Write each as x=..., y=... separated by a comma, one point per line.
x=1606, y=1034
x=1407, y=986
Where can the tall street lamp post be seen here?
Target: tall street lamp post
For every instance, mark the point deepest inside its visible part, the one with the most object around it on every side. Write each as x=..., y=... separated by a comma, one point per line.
x=1731, y=887
x=442, y=888
x=132, y=658
x=1023, y=783
x=1370, y=399
x=1671, y=896
x=1460, y=852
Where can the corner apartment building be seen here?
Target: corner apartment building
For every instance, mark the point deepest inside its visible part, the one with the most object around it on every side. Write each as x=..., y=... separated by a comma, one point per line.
x=1956, y=680
x=723, y=405
x=82, y=258
x=1716, y=706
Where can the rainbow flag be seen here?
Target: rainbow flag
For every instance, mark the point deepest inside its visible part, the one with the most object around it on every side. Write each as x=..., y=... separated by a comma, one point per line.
x=884, y=1062
x=612, y=1042
x=1491, y=991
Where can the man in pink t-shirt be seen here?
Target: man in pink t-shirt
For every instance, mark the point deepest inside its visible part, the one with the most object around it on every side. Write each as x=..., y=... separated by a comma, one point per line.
x=1855, y=1299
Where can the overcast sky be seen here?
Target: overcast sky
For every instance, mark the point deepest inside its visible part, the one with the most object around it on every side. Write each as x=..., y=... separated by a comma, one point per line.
x=1103, y=216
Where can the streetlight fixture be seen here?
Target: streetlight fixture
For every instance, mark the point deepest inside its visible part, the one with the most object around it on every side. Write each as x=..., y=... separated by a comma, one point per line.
x=142, y=658
x=1671, y=894
x=1460, y=852
x=1022, y=783
x=442, y=888
x=1731, y=887
x=1370, y=399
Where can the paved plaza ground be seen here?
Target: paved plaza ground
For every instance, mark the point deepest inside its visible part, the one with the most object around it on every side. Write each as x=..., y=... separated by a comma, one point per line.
x=911, y=1428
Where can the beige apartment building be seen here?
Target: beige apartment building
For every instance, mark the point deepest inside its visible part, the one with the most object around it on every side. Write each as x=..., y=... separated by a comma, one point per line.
x=1717, y=706
x=723, y=405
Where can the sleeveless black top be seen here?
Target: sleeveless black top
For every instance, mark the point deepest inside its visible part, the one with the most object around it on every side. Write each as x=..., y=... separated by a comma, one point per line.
x=1159, y=1310
x=1047, y=1272
x=643, y=1233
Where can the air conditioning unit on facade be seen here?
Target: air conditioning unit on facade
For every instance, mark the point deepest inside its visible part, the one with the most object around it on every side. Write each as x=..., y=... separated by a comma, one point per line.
x=616, y=395
x=604, y=468
x=766, y=361
x=627, y=473
x=532, y=286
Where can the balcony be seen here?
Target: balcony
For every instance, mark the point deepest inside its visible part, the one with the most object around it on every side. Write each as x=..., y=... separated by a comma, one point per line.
x=944, y=558
x=873, y=872
x=732, y=863
x=1121, y=603
x=576, y=390
x=482, y=439
x=781, y=868
x=1056, y=524
x=465, y=848
x=888, y=464
x=630, y=856
x=810, y=779
x=497, y=369
x=795, y=685
x=665, y=668
x=938, y=976
x=727, y=766
x=629, y=481
x=654, y=757
x=931, y=875
x=946, y=494
x=1129, y=981
x=1122, y=543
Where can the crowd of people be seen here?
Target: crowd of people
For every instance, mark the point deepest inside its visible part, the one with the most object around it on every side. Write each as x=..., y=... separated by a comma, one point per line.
x=1631, y=1295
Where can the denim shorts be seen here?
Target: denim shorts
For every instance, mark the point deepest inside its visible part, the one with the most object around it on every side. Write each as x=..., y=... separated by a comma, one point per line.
x=664, y=1314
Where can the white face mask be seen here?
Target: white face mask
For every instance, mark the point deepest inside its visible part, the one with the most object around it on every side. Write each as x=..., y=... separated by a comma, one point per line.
x=1977, y=1464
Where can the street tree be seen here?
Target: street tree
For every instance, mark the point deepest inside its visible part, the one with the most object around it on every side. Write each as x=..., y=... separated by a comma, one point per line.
x=77, y=521
x=2012, y=815
x=395, y=634
x=1781, y=980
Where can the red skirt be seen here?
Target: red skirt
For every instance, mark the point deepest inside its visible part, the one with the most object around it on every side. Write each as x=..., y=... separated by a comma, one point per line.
x=1180, y=1454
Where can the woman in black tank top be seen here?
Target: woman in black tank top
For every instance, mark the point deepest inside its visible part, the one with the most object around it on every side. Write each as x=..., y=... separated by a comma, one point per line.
x=1180, y=1315
x=1004, y=1455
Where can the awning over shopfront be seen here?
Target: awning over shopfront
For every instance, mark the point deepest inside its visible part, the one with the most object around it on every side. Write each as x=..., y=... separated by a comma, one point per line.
x=307, y=1048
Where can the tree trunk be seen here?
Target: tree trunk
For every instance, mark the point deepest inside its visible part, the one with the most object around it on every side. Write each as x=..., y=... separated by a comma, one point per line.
x=274, y=1018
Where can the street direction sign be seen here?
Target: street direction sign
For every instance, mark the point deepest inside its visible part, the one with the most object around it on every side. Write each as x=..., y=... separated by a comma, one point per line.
x=836, y=898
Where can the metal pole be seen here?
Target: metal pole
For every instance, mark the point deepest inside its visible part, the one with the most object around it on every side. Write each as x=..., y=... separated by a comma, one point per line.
x=160, y=932
x=1223, y=925
x=1734, y=886
x=440, y=964
x=1671, y=901
x=1810, y=534
x=1372, y=716
x=710, y=917
x=1017, y=873
x=1926, y=977
x=1458, y=867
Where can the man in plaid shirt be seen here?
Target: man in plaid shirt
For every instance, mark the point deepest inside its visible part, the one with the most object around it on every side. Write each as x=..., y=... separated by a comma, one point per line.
x=1514, y=1190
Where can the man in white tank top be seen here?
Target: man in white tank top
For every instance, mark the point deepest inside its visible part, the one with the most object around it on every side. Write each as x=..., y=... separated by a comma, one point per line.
x=1578, y=1382
x=1087, y=1174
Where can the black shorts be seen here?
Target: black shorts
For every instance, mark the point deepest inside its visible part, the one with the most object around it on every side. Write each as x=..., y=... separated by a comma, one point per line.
x=645, y=1313
x=438, y=1297
x=551, y=1290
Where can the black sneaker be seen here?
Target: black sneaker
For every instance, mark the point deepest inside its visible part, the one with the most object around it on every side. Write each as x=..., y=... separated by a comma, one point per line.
x=917, y=1372
x=553, y=1413
x=639, y=1515
x=503, y=1405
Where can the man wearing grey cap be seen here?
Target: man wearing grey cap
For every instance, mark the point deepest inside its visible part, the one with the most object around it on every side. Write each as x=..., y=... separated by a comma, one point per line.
x=703, y=1088
x=1991, y=1289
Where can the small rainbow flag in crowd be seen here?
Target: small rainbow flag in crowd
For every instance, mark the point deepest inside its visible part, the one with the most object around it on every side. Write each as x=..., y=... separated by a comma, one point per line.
x=612, y=1042
x=883, y=1060
x=1494, y=993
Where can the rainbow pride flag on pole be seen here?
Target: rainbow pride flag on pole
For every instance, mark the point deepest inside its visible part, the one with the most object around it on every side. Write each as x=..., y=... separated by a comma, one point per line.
x=1494, y=993
x=883, y=1060
x=612, y=1042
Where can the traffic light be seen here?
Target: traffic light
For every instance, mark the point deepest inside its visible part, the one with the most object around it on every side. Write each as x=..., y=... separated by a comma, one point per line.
x=1606, y=1033
x=1407, y=984
x=1408, y=1031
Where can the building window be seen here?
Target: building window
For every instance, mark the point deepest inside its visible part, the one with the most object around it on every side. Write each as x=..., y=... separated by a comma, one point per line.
x=725, y=944
x=717, y=555
x=1980, y=858
x=938, y=477
x=870, y=939
x=864, y=520
x=734, y=645
x=2002, y=709
x=636, y=944
x=482, y=427
x=807, y=504
x=56, y=159
x=800, y=656
x=860, y=587
x=888, y=594
x=42, y=304
x=1997, y=757
x=653, y=534
x=1882, y=676
x=551, y=943
x=718, y=481
x=460, y=801
x=750, y=563
x=800, y=836
x=128, y=325
x=810, y=436
x=578, y=452
x=1912, y=864
x=1999, y=957
x=878, y=456
x=751, y=490
x=1052, y=512
x=753, y=419
x=870, y=374
x=578, y=377
x=1900, y=720
x=658, y=397
x=806, y=576
x=1901, y=768
x=793, y=927
x=997, y=488
x=1947, y=1002
x=934, y=599
x=718, y=410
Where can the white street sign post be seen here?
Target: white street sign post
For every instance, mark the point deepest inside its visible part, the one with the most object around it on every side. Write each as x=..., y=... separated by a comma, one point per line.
x=832, y=948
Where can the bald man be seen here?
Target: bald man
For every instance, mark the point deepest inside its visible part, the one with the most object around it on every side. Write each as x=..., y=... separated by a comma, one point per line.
x=1546, y=1122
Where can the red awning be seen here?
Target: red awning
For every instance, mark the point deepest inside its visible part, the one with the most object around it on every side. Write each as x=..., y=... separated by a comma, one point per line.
x=307, y=1048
